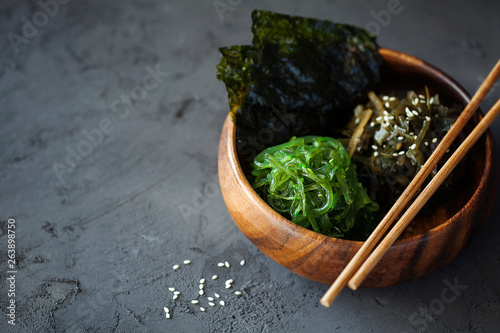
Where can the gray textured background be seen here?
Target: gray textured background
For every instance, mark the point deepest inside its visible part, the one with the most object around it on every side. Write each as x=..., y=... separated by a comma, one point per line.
x=96, y=241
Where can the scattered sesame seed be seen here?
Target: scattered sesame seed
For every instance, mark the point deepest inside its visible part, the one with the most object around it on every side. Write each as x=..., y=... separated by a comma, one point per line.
x=395, y=126
x=210, y=298
x=202, y=280
x=217, y=295
x=227, y=264
x=175, y=266
x=372, y=124
x=391, y=117
x=431, y=100
x=242, y=263
x=434, y=140
x=228, y=286
x=357, y=120
x=387, y=105
x=385, y=98
x=214, y=277
x=400, y=138
x=202, y=286
x=201, y=292
x=229, y=281
x=395, y=154
x=221, y=264
x=167, y=315
x=392, y=98
x=211, y=303
x=427, y=118
x=401, y=152
x=426, y=143
x=171, y=289
x=222, y=303
x=187, y=262
x=412, y=133
x=166, y=309
x=175, y=296
x=415, y=112
x=379, y=118
x=374, y=147
x=195, y=301
x=375, y=154
x=237, y=292
x=423, y=101
x=202, y=309
x=413, y=146
x=415, y=101
x=177, y=292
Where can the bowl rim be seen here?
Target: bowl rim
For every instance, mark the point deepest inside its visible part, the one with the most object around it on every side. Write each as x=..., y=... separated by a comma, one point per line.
x=426, y=68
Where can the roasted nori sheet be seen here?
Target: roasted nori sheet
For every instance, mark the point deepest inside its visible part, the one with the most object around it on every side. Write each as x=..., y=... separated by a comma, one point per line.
x=300, y=76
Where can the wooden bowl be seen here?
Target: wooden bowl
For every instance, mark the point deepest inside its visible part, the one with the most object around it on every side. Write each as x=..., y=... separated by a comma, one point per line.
x=430, y=242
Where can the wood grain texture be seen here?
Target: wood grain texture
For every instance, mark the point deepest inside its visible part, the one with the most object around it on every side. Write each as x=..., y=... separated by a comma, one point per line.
x=432, y=241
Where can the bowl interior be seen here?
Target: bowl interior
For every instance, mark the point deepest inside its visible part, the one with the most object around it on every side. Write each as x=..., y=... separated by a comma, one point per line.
x=400, y=73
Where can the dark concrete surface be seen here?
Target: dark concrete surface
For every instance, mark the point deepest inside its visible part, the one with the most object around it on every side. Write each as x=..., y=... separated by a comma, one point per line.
x=110, y=118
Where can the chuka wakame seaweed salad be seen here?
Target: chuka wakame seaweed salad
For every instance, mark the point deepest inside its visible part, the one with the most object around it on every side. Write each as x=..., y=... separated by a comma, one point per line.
x=297, y=78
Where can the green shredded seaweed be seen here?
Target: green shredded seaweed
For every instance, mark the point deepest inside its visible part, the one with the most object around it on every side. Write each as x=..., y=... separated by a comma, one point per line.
x=311, y=181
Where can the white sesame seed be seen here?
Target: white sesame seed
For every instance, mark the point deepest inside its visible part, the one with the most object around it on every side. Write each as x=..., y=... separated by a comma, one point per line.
x=423, y=101
x=210, y=298
x=400, y=138
x=392, y=98
x=412, y=133
x=387, y=104
x=202, y=280
x=228, y=286
x=374, y=147
x=211, y=303
x=166, y=309
x=401, y=152
x=431, y=100
x=375, y=154
x=391, y=117
x=202, y=286
x=415, y=112
x=175, y=266
x=214, y=277
x=222, y=303
x=229, y=281
x=201, y=292
x=237, y=292
x=217, y=295
x=202, y=309
x=415, y=101
x=177, y=292
x=195, y=301
x=427, y=118
x=221, y=264
x=421, y=96
x=171, y=289
x=357, y=120
x=372, y=124
x=426, y=143
x=227, y=264
x=413, y=146
x=187, y=262
x=167, y=315
x=175, y=296
x=395, y=154
x=379, y=118
x=434, y=140
x=395, y=126
x=242, y=263
x=385, y=98
x=386, y=113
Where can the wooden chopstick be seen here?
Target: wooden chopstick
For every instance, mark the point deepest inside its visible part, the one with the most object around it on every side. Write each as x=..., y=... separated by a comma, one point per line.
x=410, y=190
x=429, y=190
